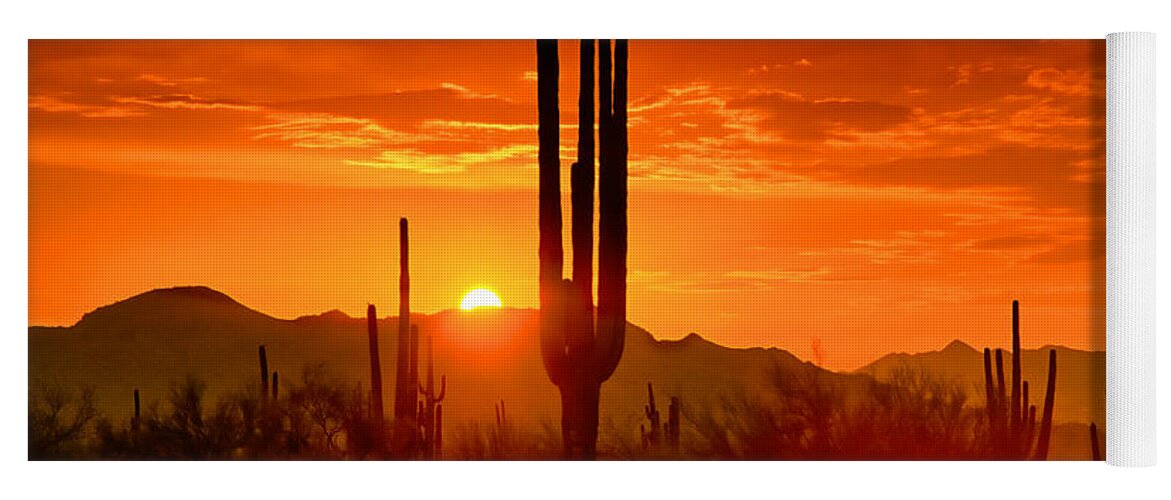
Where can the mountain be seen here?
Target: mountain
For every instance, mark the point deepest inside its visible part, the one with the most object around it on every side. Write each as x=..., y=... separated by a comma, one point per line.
x=156, y=339
x=1077, y=372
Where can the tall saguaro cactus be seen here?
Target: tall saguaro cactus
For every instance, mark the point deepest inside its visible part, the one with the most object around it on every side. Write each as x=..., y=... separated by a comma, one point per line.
x=579, y=350
x=377, y=415
x=1012, y=423
x=406, y=379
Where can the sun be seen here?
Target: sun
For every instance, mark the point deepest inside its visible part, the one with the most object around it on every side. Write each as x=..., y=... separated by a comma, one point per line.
x=480, y=297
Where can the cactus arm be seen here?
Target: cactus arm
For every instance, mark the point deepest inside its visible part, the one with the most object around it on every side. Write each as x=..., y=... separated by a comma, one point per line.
x=437, y=451
x=1015, y=415
x=553, y=341
x=1001, y=397
x=1047, y=417
x=989, y=385
x=610, y=336
x=548, y=132
x=1025, y=431
x=377, y=409
x=582, y=180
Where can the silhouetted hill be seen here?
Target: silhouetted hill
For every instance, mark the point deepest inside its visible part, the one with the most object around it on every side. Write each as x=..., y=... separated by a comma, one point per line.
x=1077, y=371
x=156, y=339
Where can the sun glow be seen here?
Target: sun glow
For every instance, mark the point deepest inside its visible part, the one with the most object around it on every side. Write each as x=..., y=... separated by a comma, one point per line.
x=478, y=298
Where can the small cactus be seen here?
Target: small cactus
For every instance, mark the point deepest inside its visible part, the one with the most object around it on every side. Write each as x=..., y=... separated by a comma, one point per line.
x=137, y=420
x=651, y=438
x=263, y=374
x=672, y=428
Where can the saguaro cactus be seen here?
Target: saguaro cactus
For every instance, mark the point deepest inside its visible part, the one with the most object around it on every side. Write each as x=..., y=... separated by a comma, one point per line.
x=1097, y=453
x=651, y=437
x=377, y=412
x=1012, y=424
x=673, y=423
x=137, y=420
x=275, y=385
x=406, y=384
x=431, y=416
x=1042, y=452
x=263, y=375
x=580, y=351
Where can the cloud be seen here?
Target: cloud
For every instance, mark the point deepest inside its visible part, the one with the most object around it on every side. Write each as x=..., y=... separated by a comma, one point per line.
x=784, y=276
x=163, y=81
x=735, y=281
x=500, y=127
x=55, y=105
x=1074, y=82
x=321, y=130
x=798, y=118
x=186, y=101
x=1072, y=252
x=1013, y=242
x=427, y=163
x=409, y=108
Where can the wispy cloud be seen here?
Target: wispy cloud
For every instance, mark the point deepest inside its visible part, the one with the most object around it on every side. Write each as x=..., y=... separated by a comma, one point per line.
x=163, y=81
x=321, y=130
x=186, y=101
x=427, y=163
x=55, y=105
x=1075, y=82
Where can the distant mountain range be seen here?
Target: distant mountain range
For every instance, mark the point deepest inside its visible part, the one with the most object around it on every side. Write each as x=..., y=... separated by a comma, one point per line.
x=1080, y=386
x=156, y=339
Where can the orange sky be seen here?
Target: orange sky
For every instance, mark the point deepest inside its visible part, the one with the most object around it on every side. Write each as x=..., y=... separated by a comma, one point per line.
x=861, y=196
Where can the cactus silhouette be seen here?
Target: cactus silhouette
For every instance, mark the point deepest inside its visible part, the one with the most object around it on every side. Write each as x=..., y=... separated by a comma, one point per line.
x=377, y=411
x=275, y=385
x=431, y=414
x=406, y=375
x=581, y=351
x=137, y=420
x=263, y=375
x=672, y=428
x=1012, y=423
x=1097, y=453
x=1042, y=452
x=651, y=437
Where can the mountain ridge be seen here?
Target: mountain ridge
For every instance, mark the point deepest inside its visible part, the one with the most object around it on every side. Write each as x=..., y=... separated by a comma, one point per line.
x=153, y=340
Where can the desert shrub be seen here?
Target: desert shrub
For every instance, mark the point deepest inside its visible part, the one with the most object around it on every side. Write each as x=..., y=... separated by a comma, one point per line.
x=811, y=414
x=59, y=422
